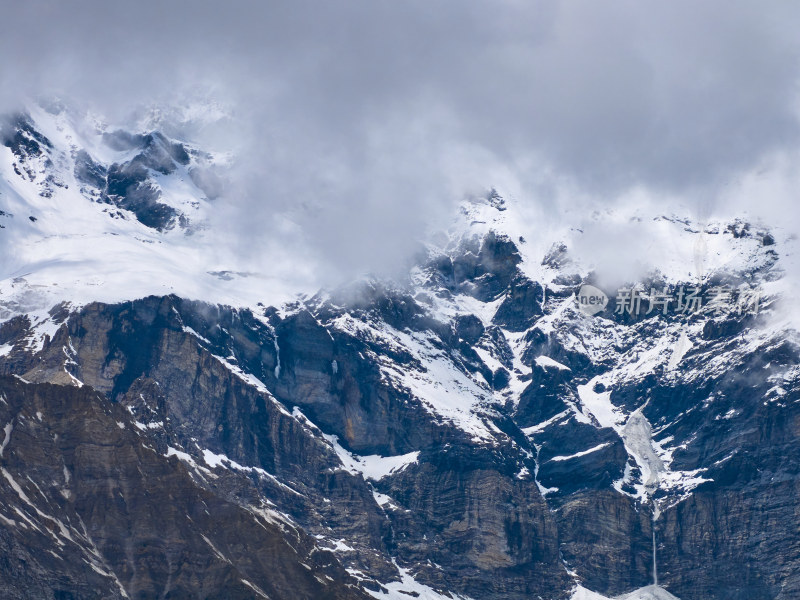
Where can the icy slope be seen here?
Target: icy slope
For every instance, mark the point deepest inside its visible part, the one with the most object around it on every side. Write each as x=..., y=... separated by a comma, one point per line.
x=651, y=592
x=647, y=593
x=92, y=212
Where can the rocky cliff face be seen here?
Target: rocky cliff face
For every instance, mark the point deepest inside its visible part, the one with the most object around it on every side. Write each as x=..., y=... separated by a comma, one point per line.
x=468, y=431
x=92, y=510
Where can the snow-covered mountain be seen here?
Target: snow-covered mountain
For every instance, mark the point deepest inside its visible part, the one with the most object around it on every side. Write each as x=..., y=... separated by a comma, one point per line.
x=468, y=431
x=95, y=212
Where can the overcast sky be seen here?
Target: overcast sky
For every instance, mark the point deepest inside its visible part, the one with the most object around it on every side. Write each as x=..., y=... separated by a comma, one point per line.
x=367, y=120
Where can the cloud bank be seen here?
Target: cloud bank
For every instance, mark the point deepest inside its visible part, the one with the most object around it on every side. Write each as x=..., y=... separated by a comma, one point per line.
x=356, y=125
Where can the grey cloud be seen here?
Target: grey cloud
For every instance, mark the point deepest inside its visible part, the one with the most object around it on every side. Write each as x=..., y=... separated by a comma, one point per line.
x=360, y=122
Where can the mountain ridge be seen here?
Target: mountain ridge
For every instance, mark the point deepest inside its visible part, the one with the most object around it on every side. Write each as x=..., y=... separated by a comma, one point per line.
x=467, y=431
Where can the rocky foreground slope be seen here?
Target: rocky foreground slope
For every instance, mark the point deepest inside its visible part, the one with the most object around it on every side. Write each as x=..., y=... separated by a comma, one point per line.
x=466, y=432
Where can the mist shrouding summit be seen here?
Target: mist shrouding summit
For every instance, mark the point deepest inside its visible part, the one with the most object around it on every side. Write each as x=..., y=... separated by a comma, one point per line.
x=355, y=126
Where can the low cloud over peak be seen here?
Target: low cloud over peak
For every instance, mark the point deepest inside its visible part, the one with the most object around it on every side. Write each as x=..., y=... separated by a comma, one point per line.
x=356, y=126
